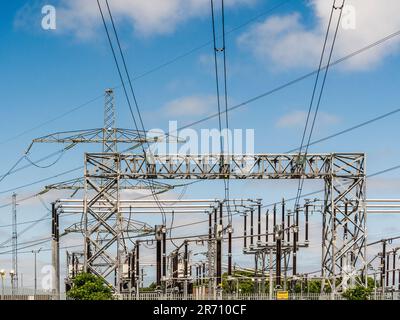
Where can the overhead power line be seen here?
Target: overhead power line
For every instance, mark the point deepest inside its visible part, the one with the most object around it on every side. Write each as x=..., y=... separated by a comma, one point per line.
x=151, y=183
x=150, y=71
x=326, y=138
x=321, y=90
x=40, y=181
x=290, y=83
x=224, y=144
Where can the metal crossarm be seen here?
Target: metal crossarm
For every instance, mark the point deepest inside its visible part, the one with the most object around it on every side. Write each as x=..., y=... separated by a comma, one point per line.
x=344, y=216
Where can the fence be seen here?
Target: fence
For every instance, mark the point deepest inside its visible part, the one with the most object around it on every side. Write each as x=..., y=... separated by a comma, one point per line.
x=25, y=294
x=29, y=294
x=252, y=296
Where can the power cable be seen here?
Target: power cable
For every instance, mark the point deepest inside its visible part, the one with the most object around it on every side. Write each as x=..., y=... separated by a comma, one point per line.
x=28, y=246
x=27, y=242
x=46, y=166
x=292, y=82
x=52, y=120
x=41, y=180
x=150, y=71
x=11, y=169
x=26, y=229
x=301, y=181
x=151, y=183
x=37, y=161
x=217, y=80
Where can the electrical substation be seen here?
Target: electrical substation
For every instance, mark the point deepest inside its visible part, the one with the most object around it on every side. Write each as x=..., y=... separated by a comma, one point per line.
x=144, y=240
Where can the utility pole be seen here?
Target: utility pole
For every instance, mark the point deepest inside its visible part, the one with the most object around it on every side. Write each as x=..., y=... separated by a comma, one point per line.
x=164, y=256
x=394, y=269
x=158, y=229
x=306, y=220
x=185, y=269
x=210, y=254
x=387, y=268
x=55, y=251
x=2, y=275
x=283, y=219
x=271, y=284
x=219, y=247
x=35, y=252
x=14, y=242
x=251, y=228
x=383, y=266
x=230, y=230
x=295, y=239
x=132, y=262
x=137, y=270
x=278, y=237
x=259, y=222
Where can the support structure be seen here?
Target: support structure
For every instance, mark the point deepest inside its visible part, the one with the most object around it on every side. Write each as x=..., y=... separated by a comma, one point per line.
x=14, y=242
x=55, y=250
x=343, y=174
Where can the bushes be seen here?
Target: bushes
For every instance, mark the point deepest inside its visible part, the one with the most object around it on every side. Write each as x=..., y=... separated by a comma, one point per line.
x=87, y=286
x=357, y=293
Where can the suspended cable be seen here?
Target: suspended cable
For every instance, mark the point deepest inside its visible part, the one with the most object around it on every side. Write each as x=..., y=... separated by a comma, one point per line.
x=217, y=80
x=300, y=156
x=281, y=87
x=62, y=152
x=26, y=229
x=292, y=82
x=148, y=72
x=151, y=183
x=11, y=169
x=39, y=181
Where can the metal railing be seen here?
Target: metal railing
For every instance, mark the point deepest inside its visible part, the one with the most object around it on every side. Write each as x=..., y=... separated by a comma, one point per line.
x=29, y=294
x=8, y=293
x=252, y=296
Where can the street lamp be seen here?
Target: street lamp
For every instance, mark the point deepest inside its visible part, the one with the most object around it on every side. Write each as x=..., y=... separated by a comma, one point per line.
x=12, y=274
x=35, y=252
x=2, y=274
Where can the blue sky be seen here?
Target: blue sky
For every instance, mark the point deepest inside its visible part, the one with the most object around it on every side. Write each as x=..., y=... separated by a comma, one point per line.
x=45, y=73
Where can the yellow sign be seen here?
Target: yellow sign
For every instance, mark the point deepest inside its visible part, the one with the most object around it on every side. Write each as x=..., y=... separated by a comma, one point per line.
x=282, y=295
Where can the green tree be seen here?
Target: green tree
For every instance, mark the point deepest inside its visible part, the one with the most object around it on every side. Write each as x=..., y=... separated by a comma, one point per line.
x=246, y=285
x=358, y=293
x=86, y=286
x=152, y=287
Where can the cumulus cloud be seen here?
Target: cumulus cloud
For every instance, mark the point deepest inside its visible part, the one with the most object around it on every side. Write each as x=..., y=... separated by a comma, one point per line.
x=147, y=17
x=298, y=118
x=286, y=41
x=190, y=106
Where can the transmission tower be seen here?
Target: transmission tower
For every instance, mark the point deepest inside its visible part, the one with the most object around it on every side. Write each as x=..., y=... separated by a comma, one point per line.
x=14, y=241
x=109, y=135
x=107, y=223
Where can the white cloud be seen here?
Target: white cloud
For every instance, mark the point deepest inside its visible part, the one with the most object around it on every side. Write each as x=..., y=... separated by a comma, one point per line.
x=190, y=106
x=286, y=41
x=147, y=17
x=298, y=118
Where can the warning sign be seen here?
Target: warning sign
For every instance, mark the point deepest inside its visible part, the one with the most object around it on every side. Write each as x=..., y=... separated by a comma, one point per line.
x=282, y=295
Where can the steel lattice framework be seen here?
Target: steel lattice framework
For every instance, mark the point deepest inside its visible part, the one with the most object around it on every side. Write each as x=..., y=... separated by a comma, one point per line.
x=344, y=230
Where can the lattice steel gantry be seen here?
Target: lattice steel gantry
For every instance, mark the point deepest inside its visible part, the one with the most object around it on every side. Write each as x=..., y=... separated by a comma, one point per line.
x=344, y=230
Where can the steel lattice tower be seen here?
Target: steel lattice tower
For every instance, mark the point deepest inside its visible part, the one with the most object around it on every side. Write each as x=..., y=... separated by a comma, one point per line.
x=14, y=241
x=109, y=132
x=344, y=229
